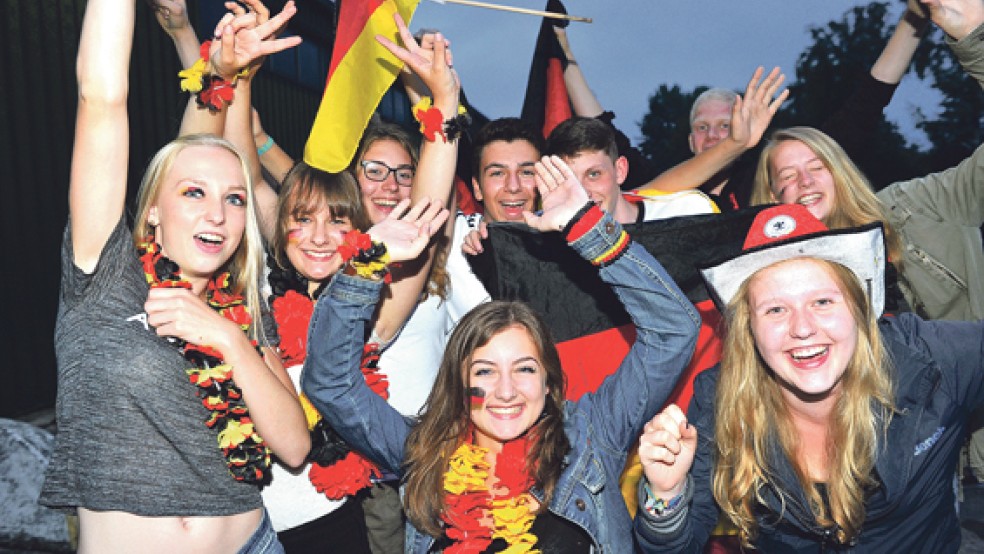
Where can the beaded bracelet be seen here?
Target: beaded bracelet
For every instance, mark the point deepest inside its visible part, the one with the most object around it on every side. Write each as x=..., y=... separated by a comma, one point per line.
x=432, y=121
x=366, y=258
x=656, y=506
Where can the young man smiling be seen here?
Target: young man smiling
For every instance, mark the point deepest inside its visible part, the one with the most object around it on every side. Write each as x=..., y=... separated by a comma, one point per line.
x=588, y=146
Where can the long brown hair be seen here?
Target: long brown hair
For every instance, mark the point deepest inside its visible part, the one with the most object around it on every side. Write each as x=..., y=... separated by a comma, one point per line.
x=855, y=203
x=751, y=415
x=438, y=281
x=446, y=420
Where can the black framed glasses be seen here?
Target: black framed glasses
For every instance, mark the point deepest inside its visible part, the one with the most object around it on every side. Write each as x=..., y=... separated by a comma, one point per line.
x=378, y=171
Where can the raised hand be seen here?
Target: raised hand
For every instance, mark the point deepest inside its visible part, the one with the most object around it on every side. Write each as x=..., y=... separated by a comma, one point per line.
x=753, y=112
x=957, y=18
x=406, y=233
x=243, y=37
x=172, y=15
x=431, y=60
x=666, y=450
x=561, y=194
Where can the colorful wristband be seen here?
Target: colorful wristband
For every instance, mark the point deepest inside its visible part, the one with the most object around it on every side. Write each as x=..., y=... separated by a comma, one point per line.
x=265, y=147
x=368, y=259
x=432, y=121
x=655, y=506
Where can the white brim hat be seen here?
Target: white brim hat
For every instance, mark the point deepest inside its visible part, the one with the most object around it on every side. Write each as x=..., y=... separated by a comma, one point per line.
x=789, y=231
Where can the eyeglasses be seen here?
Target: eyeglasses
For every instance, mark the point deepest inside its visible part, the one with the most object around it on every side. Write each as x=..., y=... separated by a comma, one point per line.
x=378, y=171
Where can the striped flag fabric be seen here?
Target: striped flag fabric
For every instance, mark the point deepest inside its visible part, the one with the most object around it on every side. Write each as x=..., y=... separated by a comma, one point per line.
x=546, y=103
x=360, y=72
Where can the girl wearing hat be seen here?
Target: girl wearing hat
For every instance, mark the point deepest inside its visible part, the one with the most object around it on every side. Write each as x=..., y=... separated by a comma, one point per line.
x=824, y=426
x=932, y=223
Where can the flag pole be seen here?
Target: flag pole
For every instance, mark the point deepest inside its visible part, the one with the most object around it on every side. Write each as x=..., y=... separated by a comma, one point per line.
x=516, y=10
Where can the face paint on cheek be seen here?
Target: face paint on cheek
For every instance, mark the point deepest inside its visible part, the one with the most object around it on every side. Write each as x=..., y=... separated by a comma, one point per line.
x=294, y=236
x=476, y=397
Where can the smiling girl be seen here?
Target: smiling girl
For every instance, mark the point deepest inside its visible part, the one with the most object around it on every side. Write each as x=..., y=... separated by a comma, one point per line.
x=498, y=459
x=170, y=404
x=825, y=427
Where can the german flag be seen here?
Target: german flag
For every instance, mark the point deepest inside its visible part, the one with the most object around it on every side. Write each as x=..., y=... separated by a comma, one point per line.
x=360, y=72
x=546, y=103
x=592, y=331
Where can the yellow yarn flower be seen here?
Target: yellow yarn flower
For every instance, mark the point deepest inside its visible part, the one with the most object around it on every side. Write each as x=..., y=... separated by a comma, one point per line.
x=467, y=470
x=191, y=78
x=310, y=413
x=235, y=433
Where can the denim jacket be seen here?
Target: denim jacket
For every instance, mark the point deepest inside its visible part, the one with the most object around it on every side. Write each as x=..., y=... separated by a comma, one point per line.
x=601, y=426
x=938, y=374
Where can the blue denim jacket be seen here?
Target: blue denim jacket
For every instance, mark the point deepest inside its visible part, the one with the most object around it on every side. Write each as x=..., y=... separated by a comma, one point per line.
x=602, y=426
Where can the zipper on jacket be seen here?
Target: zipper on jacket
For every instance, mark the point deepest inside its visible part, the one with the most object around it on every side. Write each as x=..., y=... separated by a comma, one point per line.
x=936, y=266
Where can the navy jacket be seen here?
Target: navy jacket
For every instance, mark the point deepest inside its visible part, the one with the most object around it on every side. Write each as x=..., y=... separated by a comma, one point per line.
x=939, y=378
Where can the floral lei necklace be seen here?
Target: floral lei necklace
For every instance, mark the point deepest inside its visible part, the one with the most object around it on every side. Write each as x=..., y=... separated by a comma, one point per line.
x=246, y=455
x=336, y=471
x=474, y=515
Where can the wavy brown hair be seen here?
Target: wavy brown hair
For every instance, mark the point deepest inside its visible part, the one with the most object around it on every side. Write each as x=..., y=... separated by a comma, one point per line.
x=446, y=419
x=855, y=203
x=752, y=417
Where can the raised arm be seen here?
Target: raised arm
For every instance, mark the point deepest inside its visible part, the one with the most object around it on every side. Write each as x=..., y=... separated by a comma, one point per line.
x=963, y=23
x=332, y=379
x=666, y=322
x=750, y=117
x=172, y=15
x=97, y=187
x=894, y=60
x=430, y=60
x=583, y=99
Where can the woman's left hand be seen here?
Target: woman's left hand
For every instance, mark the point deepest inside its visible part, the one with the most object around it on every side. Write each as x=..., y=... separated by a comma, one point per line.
x=407, y=233
x=561, y=194
x=431, y=60
x=242, y=38
x=178, y=312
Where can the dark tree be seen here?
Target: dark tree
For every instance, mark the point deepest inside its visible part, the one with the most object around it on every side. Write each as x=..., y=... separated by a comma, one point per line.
x=666, y=125
x=827, y=73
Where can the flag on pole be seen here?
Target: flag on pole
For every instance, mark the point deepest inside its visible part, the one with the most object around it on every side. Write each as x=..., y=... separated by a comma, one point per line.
x=360, y=72
x=546, y=103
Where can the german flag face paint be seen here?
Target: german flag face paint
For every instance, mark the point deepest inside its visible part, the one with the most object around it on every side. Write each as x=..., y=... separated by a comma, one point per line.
x=476, y=397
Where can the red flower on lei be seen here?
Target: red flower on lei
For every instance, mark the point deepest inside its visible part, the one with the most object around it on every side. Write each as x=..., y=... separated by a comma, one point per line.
x=292, y=311
x=347, y=476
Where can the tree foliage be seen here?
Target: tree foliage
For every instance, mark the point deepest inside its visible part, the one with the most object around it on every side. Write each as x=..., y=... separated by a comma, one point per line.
x=827, y=73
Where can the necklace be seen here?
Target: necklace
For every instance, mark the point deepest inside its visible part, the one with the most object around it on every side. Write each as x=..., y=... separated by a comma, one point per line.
x=336, y=471
x=246, y=455
x=474, y=514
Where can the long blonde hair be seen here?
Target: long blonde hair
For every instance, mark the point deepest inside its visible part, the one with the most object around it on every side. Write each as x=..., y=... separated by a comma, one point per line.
x=752, y=420
x=855, y=203
x=245, y=266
